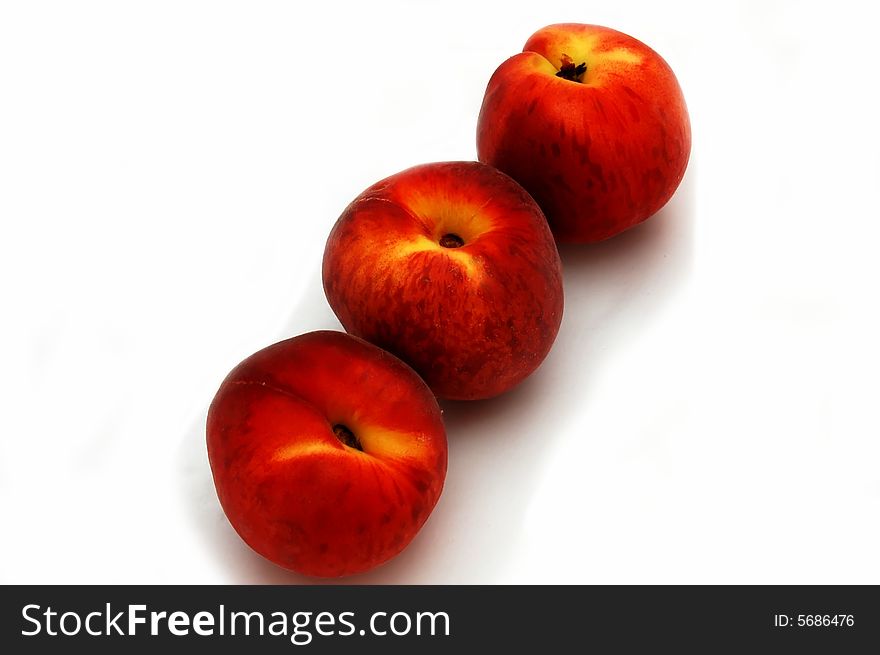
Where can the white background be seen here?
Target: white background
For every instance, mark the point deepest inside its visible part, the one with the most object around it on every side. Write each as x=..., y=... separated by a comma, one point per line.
x=169, y=172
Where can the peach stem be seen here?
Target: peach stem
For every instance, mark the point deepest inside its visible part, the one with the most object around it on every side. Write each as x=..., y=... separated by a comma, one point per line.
x=451, y=241
x=568, y=70
x=346, y=436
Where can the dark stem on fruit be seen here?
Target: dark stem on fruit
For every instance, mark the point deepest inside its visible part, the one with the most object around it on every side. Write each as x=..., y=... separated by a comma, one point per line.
x=451, y=241
x=570, y=71
x=346, y=436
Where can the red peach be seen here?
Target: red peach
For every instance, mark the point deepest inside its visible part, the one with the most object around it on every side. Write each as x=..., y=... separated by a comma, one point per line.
x=592, y=123
x=451, y=267
x=328, y=454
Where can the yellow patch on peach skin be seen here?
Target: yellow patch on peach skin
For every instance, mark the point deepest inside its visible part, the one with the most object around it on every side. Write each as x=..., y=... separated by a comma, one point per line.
x=422, y=244
x=588, y=49
x=444, y=211
x=618, y=55
x=377, y=440
x=391, y=444
x=292, y=451
x=380, y=443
